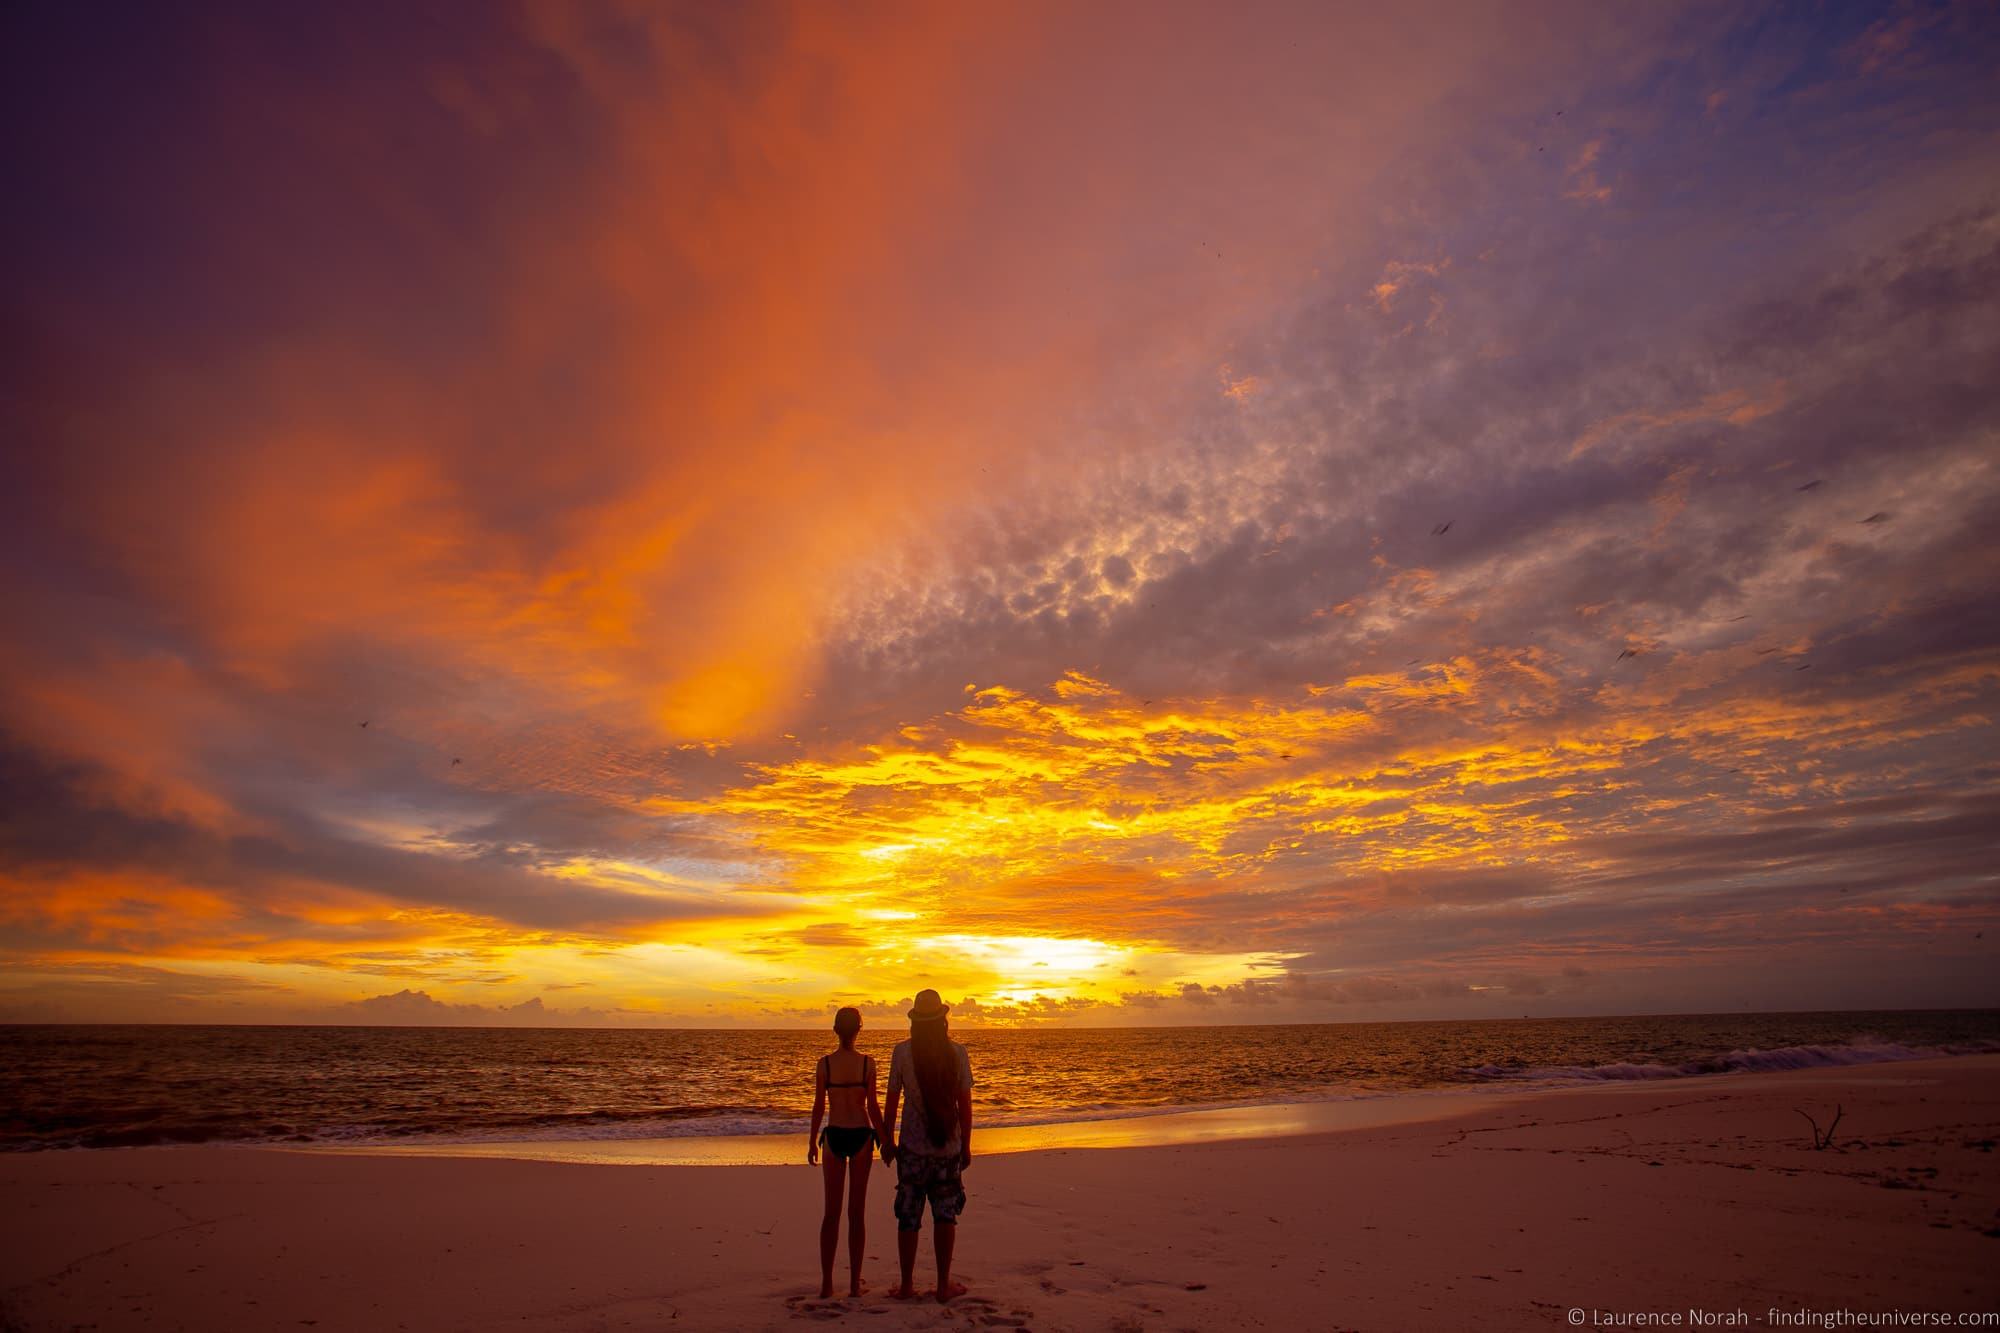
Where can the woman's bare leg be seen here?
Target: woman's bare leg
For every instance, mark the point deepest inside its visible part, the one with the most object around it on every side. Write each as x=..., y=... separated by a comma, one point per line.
x=943, y=1235
x=857, y=1218
x=833, y=1171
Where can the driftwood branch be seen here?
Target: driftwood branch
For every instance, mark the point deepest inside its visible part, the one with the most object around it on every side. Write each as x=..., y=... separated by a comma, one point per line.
x=1822, y=1141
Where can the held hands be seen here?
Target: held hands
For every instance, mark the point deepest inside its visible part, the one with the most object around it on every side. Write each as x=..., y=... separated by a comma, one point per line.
x=888, y=1152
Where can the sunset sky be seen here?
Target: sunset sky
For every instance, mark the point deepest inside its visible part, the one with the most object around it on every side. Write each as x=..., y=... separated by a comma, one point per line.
x=1122, y=513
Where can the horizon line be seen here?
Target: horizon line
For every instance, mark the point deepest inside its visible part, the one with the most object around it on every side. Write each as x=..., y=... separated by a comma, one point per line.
x=1033, y=1026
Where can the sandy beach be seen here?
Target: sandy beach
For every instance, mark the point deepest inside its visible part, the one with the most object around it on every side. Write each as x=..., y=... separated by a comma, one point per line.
x=1688, y=1197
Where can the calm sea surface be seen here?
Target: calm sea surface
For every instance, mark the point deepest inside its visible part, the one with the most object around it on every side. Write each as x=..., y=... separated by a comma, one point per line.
x=83, y=1087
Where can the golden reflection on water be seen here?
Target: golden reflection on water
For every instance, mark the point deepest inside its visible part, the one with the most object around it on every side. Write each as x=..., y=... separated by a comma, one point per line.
x=1148, y=1131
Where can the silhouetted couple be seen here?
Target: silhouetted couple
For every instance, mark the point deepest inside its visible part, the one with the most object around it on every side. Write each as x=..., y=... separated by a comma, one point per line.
x=930, y=1077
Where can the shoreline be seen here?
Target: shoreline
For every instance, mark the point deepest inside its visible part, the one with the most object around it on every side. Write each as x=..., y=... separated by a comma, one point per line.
x=1140, y=1129
x=1701, y=1193
x=1326, y=1112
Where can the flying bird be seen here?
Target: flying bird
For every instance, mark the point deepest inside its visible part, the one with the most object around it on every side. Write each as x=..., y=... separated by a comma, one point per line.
x=1629, y=652
x=1766, y=652
x=1879, y=516
x=364, y=726
x=456, y=762
x=1808, y=486
x=1734, y=619
x=1442, y=528
x=1806, y=667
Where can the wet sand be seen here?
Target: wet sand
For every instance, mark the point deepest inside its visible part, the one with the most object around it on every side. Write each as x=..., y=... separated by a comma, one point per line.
x=1694, y=1197
x=1262, y=1121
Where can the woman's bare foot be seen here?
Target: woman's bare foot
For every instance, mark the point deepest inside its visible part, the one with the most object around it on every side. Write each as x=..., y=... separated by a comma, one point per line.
x=904, y=1292
x=946, y=1293
x=857, y=1288
x=825, y=1288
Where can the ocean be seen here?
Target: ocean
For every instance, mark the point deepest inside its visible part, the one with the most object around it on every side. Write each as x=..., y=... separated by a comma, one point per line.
x=129, y=1086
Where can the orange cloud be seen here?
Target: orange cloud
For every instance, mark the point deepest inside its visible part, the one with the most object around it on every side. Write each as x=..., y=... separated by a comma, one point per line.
x=1733, y=407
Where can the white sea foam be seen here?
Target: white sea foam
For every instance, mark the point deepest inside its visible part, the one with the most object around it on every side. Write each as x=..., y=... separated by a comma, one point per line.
x=1735, y=1062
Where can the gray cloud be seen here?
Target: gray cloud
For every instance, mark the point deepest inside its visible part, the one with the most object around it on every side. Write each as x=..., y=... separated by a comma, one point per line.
x=55, y=817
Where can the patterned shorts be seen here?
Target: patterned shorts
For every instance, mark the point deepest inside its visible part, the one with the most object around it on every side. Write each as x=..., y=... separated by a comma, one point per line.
x=920, y=1176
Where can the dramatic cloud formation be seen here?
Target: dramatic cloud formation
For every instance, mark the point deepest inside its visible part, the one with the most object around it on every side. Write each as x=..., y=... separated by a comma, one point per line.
x=673, y=514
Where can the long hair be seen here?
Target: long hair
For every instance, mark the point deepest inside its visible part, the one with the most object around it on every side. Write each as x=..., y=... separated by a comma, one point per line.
x=937, y=1076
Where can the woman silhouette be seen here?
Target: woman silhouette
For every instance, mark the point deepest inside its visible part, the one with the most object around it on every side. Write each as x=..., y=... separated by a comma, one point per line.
x=844, y=1086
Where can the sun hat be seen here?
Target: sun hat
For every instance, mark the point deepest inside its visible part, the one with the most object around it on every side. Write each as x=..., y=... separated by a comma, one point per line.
x=929, y=1006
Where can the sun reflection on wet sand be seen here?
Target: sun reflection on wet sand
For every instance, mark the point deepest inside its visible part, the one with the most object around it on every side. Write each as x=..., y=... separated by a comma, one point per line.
x=1142, y=1131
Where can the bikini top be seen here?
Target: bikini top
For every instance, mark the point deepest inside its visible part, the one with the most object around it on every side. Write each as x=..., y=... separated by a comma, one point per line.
x=867, y=1072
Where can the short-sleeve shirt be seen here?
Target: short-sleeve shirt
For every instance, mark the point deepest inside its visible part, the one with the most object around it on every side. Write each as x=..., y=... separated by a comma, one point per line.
x=914, y=1134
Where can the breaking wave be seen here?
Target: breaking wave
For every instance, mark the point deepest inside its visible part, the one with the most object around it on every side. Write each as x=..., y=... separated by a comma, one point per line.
x=1752, y=1061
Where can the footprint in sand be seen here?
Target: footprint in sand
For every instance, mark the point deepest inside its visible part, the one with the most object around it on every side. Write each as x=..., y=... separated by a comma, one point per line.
x=812, y=1307
x=979, y=1310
